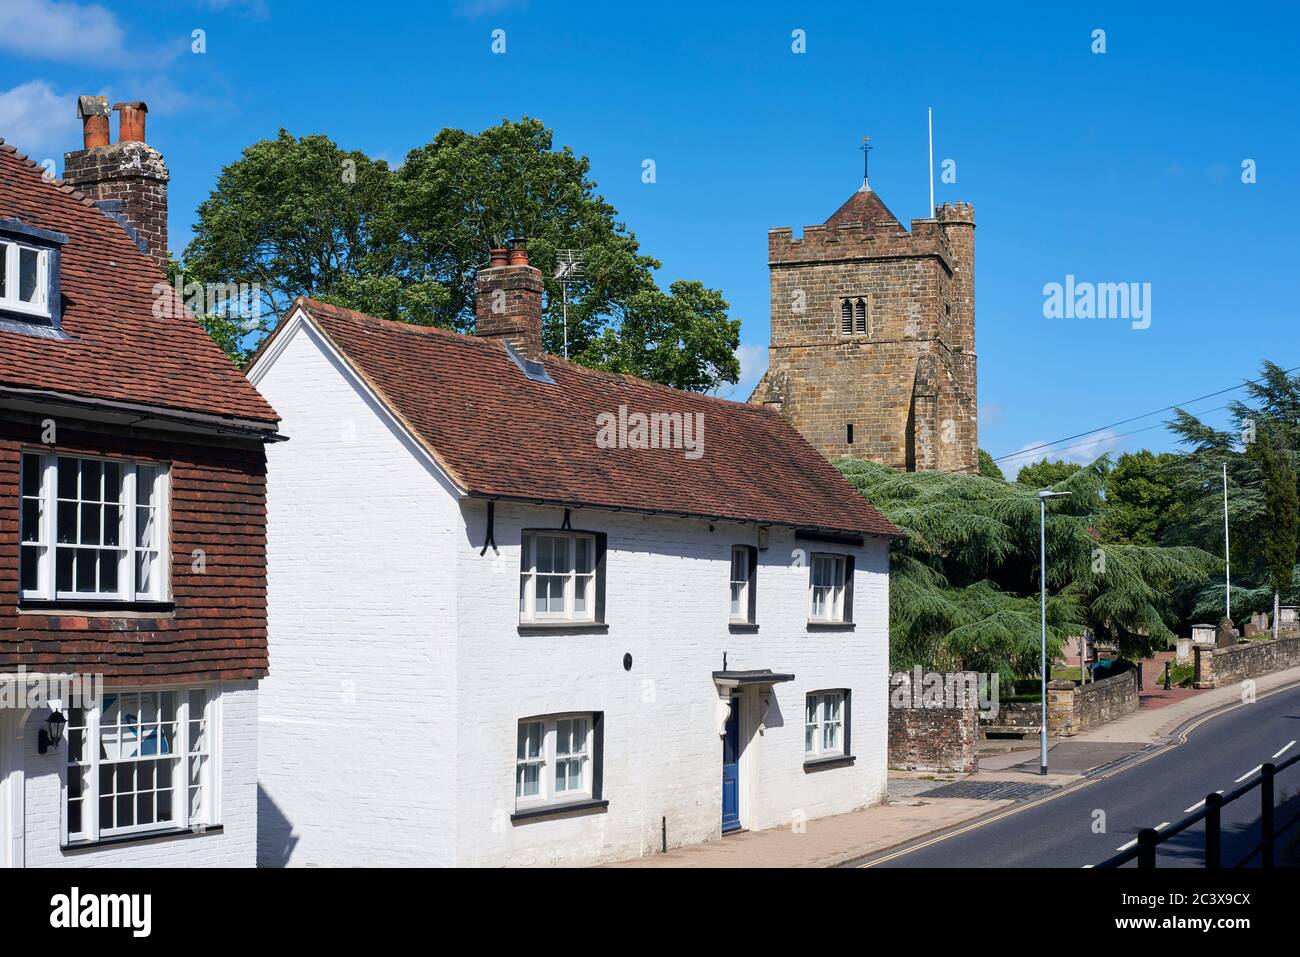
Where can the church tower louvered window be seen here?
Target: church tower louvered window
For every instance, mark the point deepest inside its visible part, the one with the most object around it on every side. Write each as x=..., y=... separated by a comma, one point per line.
x=853, y=317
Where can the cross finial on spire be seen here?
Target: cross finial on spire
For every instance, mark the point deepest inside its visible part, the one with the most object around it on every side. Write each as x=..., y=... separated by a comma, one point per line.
x=866, y=155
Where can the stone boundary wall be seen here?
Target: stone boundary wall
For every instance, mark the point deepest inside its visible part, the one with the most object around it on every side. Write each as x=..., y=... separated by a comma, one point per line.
x=1072, y=709
x=1216, y=667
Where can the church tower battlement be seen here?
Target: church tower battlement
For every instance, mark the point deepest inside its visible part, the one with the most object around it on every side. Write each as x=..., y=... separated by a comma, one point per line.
x=872, y=351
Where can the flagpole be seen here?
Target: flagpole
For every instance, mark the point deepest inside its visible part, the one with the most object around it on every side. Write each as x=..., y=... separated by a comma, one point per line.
x=931, y=115
x=1227, y=560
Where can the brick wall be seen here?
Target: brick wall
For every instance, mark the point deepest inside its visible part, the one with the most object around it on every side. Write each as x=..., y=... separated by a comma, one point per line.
x=218, y=627
x=666, y=601
x=934, y=739
x=358, y=728
x=1216, y=667
x=132, y=173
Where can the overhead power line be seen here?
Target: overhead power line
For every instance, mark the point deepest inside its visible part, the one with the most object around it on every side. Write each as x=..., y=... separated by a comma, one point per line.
x=1135, y=418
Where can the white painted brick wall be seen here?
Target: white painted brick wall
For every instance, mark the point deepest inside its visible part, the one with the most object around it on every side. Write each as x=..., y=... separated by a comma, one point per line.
x=234, y=846
x=666, y=605
x=357, y=732
x=398, y=675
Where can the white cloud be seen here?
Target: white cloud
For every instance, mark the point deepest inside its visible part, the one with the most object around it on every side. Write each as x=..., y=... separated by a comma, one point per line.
x=473, y=9
x=753, y=363
x=256, y=9
x=38, y=121
x=1083, y=451
x=60, y=30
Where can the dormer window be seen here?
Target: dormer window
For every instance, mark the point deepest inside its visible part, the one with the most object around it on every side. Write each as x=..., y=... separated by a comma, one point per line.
x=24, y=279
x=29, y=274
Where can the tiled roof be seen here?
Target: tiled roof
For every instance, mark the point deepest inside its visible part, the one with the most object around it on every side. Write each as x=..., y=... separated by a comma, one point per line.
x=499, y=433
x=118, y=350
x=863, y=207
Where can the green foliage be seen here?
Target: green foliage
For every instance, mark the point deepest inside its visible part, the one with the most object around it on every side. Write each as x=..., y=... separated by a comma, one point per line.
x=1270, y=415
x=988, y=468
x=294, y=216
x=964, y=584
x=1278, y=534
x=683, y=339
x=304, y=217
x=1141, y=498
x=227, y=330
x=1045, y=474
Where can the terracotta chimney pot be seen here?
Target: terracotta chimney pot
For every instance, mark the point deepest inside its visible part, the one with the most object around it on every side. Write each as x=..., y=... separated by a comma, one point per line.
x=93, y=112
x=130, y=128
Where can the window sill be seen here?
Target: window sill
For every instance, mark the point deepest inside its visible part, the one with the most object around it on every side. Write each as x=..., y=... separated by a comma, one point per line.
x=589, y=806
x=573, y=627
x=96, y=609
x=830, y=626
x=169, y=834
x=824, y=764
x=742, y=627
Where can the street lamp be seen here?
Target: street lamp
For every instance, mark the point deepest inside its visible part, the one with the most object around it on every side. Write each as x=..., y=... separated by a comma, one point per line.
x=1043, y=496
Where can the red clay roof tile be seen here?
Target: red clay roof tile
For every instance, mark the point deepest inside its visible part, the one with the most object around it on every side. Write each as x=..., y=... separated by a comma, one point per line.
x=119, y=351
x=501, y=434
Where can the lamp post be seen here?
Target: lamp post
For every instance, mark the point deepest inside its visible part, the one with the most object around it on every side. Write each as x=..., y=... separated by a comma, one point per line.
x=1043, y=496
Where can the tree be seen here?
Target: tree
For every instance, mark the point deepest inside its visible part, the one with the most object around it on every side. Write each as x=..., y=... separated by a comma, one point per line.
x=1273, y=406
x=1141, y=498
x=293, y=216
x=988, y=468
x=1278, y=545
x=683, y=339
x=1045, y=474
x=964, y=583
x=307, y=218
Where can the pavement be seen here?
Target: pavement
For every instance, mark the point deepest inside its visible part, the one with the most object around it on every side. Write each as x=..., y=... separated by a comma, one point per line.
x=1008, y=785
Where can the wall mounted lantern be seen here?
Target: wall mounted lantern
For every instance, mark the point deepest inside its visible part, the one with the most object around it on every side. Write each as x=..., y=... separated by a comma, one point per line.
x=45, y=740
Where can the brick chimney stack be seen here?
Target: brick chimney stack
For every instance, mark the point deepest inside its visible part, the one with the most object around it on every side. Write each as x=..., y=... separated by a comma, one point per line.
x=127, y=179
x=508, y=301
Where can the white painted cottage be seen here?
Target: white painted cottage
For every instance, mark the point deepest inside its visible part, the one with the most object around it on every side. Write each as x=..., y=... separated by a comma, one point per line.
x=527, y=613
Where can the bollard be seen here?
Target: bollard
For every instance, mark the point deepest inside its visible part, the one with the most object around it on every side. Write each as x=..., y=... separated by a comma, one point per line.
x=1213, y=818
x=1147, y=848
x=1266, y=774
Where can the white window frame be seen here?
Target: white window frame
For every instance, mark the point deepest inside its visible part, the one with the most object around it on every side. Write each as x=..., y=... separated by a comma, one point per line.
x=9, y=301
x=834, y=610
x=738, y=606
x=549, y=758
x=528, y=576
x=197, y=750
x=820, y=715
x=128, y=548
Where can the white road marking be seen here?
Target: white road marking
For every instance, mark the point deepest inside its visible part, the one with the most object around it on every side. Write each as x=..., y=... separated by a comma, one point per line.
x=1161, y=827
x=1285, y=750
x=1125, y=847
x=1248, y=773
x=1197, y=805
x=1086, y=866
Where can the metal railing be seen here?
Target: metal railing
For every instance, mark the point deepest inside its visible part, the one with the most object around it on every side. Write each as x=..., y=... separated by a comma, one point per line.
x=1211, y=811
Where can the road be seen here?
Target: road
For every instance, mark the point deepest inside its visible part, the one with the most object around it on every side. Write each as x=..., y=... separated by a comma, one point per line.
x=1219, y=754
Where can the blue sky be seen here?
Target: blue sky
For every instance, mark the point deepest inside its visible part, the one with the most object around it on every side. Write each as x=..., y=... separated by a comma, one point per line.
x=1123, y=166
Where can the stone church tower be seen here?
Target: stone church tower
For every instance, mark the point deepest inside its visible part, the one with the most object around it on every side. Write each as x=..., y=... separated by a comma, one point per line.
x=872, y=353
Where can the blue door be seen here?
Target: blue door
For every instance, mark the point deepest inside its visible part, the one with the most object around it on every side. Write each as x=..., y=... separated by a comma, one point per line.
x=731, y=770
